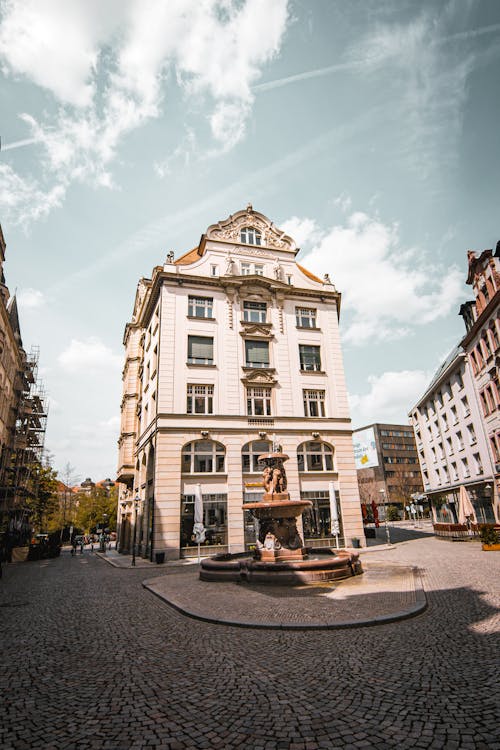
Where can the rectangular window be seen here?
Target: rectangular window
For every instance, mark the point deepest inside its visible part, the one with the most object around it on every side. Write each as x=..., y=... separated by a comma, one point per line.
x=258, y=402
x=200, y=399
x=454, y=416
x=460, y=441
x=477, y=463
x=454, y=472
x=465, y=467
x=465, y=406
x=200, y=307
x=305, y=317
x=314, y=403
x=254, y=312
x=214, y=270
x=310, y=358
x=471, y=434
x=247, y=269
x=200, y=350
x=257, y=353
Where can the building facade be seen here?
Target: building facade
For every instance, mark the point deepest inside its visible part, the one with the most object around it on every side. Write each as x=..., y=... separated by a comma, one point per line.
x=23, y=419
x=452, y=447
x=387, y=467
x=232, y=348
x=482, y=346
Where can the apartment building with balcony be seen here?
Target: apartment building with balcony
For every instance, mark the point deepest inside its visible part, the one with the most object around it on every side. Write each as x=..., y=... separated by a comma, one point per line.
x=232, y=348
x=452, y=446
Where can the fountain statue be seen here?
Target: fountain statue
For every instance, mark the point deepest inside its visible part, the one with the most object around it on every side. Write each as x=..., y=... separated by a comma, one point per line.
x=280, y=556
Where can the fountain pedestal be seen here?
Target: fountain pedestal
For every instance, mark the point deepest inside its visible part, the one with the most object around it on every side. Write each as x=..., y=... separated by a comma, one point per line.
x=280, y=556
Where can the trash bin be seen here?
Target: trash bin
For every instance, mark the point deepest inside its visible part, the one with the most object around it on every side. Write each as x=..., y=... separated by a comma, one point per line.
x=159, y=557
x=355, y=543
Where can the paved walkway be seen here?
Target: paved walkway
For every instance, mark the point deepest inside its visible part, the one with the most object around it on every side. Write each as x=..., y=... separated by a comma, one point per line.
x=385, y=592
x=91, y=660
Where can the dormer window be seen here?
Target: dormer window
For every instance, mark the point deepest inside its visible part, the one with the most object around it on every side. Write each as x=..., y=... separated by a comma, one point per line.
x=250, y=236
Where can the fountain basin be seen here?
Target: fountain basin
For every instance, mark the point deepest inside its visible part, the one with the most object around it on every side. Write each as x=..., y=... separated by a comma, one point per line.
x=324, y=564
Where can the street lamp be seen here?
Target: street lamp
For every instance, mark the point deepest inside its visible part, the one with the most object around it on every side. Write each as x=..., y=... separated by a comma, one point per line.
x=137, y=500
x=387, y=533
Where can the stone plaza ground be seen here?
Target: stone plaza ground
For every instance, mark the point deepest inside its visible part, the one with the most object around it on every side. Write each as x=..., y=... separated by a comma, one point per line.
x=91, y=659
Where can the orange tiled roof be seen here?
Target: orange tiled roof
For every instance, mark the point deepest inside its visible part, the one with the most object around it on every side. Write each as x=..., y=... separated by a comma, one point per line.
x=308, y=273
x=188, y=257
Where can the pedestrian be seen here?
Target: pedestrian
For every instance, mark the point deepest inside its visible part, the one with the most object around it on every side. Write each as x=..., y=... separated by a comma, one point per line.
x=81, y=546
x=73, y=548
x=92, y=545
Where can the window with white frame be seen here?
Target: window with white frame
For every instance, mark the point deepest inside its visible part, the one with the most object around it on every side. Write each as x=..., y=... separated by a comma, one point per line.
x=200, y=350
x=200, y=307
x=460, y=440
x=250, y=236
x=258, y=401
x=471, y=434
x=247, y=269
x=214, y=270
x=310, y=358
x=465, y=406
x=465, y=467
x=449, y=446
x=305, y=317
x=478, y=464
x=254, y=312
x=454, y=471
x=315, y=456
x=200, y=399
x=250, y=454
x=203, y=457
x=314, y=403
x=256, y=353
x=454, y=415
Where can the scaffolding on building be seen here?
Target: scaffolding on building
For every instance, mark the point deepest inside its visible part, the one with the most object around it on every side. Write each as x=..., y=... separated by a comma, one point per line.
x=20, y=471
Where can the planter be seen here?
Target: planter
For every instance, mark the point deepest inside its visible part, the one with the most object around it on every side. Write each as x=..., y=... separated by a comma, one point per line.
x=20, y=554
x=491, y=547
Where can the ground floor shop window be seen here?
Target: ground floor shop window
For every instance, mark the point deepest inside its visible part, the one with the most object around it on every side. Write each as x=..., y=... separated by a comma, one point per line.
x=250, y=526
x=214, y=520
x=317, y=520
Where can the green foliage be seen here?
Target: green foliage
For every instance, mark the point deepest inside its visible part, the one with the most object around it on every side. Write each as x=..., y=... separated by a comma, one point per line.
x=392, y=513
x=42, y=499
x=489, y=535
x=92, y=509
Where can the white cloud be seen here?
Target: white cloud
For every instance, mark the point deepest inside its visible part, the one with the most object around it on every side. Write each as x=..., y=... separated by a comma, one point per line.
x=108, y=65
x=390, y=398
x=30, y=298
x=304, y=231
x=23, y=200
x=91, y=355
x=386, y=289
x=429, y=77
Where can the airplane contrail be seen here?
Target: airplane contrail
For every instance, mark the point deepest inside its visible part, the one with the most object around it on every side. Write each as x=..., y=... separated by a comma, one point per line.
x=19, y=144
x=353, y=64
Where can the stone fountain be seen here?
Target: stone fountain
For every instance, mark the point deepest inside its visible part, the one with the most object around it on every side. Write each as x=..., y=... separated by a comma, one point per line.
x=280, y=556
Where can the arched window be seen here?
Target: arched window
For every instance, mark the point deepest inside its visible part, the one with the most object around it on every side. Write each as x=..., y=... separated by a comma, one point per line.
x=250, y=453
x=250, y=236
x=203, y=457
x=315, y=456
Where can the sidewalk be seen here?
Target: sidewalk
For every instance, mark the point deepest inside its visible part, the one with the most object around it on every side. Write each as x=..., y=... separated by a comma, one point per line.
x=125, y=561
x=384, y=593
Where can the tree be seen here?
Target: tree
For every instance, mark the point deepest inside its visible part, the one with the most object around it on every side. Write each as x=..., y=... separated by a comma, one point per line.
x=42, y=500
x=97, y=507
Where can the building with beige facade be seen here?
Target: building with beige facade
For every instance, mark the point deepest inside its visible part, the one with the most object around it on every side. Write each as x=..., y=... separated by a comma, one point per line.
x=232, y=347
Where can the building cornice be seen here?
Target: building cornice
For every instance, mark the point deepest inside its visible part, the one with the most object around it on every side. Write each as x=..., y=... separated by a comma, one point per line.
x=481, y=320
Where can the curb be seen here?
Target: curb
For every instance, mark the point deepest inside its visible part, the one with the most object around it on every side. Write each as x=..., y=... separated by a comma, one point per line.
x=416, y=609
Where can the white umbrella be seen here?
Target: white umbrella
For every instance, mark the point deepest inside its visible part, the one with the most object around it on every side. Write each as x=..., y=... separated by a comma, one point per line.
x=198, y=528
x=465, y=507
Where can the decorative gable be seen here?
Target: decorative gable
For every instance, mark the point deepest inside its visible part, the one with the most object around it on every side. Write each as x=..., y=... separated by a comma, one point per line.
x=230, y=230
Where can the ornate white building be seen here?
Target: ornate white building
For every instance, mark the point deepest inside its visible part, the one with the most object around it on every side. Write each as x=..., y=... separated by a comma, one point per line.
x=230, y=347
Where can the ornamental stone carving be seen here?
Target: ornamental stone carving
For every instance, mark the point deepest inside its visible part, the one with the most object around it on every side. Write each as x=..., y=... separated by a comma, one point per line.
x=228, y=230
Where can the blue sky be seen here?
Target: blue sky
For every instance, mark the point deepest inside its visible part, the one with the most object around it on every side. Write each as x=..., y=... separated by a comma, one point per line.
x=367, y=129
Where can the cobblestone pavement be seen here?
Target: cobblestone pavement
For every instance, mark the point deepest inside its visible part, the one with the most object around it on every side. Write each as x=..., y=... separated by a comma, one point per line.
x=384, y=592
x=90, y=659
